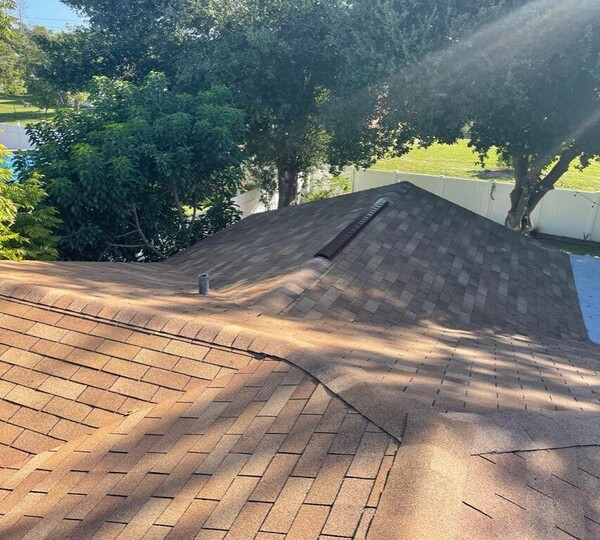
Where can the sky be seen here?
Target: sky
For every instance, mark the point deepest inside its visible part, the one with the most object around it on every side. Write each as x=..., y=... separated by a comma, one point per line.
x=50, y=13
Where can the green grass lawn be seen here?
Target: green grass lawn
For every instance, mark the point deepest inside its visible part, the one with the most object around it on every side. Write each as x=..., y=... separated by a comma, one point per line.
x=459, y=161
x=13, y=110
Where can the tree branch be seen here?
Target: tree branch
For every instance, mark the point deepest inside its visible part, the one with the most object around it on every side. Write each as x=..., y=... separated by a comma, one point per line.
x=134, y=246
x=191, y=226
x=126, y=234
x=178, y=204
x=143, y=236
x=553, y=176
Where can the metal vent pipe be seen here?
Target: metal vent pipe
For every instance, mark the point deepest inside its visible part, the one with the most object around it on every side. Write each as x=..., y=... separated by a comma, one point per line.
x=203, y=284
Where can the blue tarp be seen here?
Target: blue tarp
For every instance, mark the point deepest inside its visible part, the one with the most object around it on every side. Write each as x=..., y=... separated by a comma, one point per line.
x=587, y=278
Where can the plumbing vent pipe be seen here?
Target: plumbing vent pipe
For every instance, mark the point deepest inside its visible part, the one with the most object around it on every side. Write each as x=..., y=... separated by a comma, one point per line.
x=203, y=284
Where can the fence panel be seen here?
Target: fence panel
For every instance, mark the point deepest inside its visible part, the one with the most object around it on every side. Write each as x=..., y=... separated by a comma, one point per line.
x=562, y=212
x=432, y=184
x=250, y=202
x=476, y=198
x=14, y=137
x=363, y=180
x=567, y=213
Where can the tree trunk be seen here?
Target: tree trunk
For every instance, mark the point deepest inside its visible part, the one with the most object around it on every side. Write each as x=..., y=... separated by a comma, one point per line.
x=531, y=187
x=518, y=218
x=287, y=179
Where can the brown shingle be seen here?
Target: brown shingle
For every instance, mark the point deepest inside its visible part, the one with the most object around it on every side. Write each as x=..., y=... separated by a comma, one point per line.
x=249, y=521
x=62, y=388
x=118, y=349
x=287, y=505
x=275, y=477
x=166, y=378
x=348, y=507
x=67, y=409
x=9, y=433
x=34, y=420
x=44, y=331
x=156, y=359
x=230, y=506
x=34, y=443
x=308, y=523
x=88, y=358
x=28, y=397
x=188, y=350
x=125, y=368
x=19, y=357
x=329, y=480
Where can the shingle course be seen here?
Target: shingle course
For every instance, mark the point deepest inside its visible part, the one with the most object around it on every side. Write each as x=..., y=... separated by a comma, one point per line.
x=131, y=475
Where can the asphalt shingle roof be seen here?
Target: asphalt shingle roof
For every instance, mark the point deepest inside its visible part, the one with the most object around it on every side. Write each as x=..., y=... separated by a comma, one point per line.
x=433, y=380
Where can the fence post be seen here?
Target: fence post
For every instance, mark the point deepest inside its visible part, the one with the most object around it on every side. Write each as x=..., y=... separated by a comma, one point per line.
x=594, y=216
x=442, y=186
x=489, y=200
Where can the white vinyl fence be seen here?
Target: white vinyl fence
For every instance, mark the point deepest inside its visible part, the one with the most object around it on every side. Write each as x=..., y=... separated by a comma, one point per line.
x=573, y=214
x=14, y=137
x=250, y=203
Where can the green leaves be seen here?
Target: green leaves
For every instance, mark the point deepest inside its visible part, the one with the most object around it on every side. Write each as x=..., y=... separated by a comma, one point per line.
x=127, y=171
x=534, y=96
x=528, y=95
x=26, y=222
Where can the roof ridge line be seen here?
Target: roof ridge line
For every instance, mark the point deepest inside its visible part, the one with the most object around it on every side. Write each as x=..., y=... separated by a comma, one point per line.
x=352, y=230
x=119, y=324
x=352, y=385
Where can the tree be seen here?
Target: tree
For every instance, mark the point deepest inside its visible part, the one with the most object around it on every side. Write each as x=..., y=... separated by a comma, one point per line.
x=376, y=40
x=7, y=20
x=143, y=173
x=277, y=59
x=26, y=222
x=128, y=39
x=312, y=75
x=534, y=96
x=11, y=42
x=60, y=63
x=123, y=39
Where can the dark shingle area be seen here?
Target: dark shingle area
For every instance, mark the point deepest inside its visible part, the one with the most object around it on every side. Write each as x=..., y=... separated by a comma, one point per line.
x=272, y=244
x=425, y=258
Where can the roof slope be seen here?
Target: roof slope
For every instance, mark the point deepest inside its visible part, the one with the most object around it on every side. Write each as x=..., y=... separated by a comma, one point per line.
x=63, y=376
x=541, y=494
x=421, y=258
x=442, y=486
x=305, y=398
x=270, y=245
x=425, y=258
x=265, y=449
